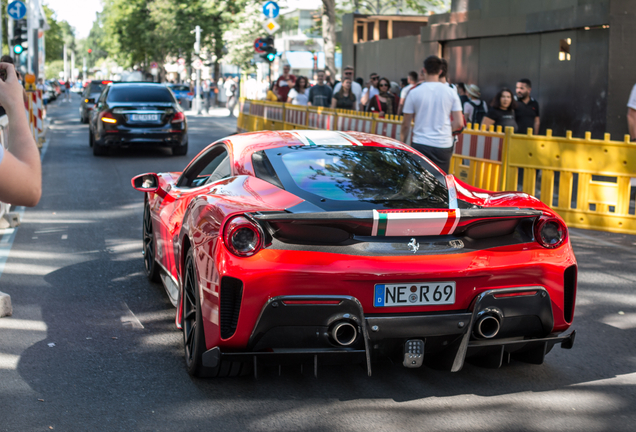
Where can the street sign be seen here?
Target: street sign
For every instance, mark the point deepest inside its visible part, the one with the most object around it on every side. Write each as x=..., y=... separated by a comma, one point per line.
x=259, y=45
x=154, y=65
x=16, y=10
x=271, y=26
x=271, y=9
x=181, y=61
x=197, y=64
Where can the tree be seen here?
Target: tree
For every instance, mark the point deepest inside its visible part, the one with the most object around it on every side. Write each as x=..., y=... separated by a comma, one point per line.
x=58, y=34
x=329, y=34
x=241, y=34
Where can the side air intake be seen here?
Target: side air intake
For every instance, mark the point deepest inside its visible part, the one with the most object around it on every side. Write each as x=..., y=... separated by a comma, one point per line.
x=231, y=294
x=569, y=293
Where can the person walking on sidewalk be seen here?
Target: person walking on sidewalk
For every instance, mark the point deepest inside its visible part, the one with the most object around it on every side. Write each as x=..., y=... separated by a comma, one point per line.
x=320, y=94
x=20, y=168
x=431, y=105
x=231, y=91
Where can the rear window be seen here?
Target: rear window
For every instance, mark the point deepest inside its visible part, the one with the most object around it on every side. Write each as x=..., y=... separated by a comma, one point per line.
x=180, y=88
x=140, y=94
x=96, y=87
x=376, y=175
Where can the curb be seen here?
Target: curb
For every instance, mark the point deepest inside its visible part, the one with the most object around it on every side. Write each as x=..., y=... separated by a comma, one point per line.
x=5, y=305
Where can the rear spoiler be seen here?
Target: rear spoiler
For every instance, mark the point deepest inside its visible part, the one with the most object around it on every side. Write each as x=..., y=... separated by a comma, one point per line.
x=329, y=226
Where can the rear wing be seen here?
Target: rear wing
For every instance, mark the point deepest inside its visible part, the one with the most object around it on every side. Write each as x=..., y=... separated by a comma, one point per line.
x=330, y=227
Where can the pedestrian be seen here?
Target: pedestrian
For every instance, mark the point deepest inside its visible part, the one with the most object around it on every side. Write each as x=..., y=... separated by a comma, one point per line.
x=412, y=79
x=431, y=105
x=212, y=94
x=461, y=91
x=356, y=88
x=67, y=86
x=631, y=114
x=474, y=109
x=443, y=77
x=231, y=91
x=221, y=98
x=383, y=102
x=502, y=110
x=527, y=111
x=360, y=82
x=370, y=90
x=272, y=93
x=344, y=97
x=321, y=93
x=285, y=83
x=20, y=168
x=299, y=95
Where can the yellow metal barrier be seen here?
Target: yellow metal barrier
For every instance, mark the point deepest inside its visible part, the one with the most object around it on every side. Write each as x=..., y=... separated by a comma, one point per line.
x=588, y=182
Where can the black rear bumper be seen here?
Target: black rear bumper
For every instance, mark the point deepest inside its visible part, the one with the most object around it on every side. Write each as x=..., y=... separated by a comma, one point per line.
x=298, y=328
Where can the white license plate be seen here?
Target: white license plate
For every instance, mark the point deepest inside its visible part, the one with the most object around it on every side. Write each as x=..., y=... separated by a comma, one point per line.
x=144, y=117
x=414, y=294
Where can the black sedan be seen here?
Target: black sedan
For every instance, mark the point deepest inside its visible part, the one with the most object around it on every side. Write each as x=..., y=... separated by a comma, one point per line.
x=131, y=114
x=89, y=96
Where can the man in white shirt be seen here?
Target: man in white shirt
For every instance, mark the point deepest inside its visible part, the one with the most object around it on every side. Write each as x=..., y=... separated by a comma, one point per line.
x=412, y=79
x=370, y=90
x=356, y=88
x=631, y=114
x=432, y=103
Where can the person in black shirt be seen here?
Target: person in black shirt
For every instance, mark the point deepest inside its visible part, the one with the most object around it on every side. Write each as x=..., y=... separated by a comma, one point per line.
x=344, y=98
x=527, y=111
x=502, y=112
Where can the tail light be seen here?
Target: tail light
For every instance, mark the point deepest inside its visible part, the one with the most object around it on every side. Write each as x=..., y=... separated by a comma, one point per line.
x=178, y=117
x=242, y=236
x=550, y=232
x=107, y=117
x=190, y=93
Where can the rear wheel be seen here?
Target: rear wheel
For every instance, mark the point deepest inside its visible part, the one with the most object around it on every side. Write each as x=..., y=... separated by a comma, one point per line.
x=180, y=151
x=91, y=140
x=194, y=335
x=99, y=150
x=150, y=263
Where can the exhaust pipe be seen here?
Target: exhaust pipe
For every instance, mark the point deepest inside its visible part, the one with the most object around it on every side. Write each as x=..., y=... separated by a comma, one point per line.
x=344, y=333
x=487, y=326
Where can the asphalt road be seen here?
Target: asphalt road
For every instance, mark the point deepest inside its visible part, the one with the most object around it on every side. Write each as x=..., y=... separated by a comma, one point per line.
x=92, y=344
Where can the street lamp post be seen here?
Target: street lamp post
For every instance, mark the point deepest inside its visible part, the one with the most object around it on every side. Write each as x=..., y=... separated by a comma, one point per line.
x=197, y=50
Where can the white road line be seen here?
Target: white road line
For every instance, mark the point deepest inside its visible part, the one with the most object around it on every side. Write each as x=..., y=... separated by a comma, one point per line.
x=9, y=361
x=21, y=324
x=129, y=319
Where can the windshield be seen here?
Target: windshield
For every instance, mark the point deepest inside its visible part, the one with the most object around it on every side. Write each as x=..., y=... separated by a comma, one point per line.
x=142, y=93
x=96, y=87
x=180, y=88
x=387, y=177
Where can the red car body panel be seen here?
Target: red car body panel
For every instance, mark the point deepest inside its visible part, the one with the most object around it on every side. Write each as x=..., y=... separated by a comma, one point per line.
x=195, y=218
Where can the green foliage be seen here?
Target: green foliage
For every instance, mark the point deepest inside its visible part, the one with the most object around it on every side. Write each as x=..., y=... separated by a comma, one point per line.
x=59, y=33
x=245, y=29
x=54, y=68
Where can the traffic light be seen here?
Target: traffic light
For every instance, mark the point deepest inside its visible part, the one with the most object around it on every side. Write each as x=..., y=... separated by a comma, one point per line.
x=90, y=50
x=269, y=50
x=20, y=31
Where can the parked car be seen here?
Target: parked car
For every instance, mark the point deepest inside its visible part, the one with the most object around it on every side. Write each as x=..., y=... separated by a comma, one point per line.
x=183, y=94
x=89, y=96
x=326, y=246
x=130, y=114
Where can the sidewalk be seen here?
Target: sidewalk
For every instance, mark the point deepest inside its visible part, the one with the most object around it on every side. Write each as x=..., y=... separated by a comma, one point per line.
x=219, y=115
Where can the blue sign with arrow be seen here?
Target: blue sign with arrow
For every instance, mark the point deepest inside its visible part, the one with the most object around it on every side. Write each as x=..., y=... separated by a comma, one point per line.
x=17, y=10
x=271, y=9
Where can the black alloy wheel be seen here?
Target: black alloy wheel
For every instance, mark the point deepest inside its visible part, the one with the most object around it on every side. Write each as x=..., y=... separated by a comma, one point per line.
x=193, y=333
x=180, y=151
x=150, y=263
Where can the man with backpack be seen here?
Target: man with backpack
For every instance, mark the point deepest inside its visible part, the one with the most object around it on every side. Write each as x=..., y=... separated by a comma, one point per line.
x=474, y=109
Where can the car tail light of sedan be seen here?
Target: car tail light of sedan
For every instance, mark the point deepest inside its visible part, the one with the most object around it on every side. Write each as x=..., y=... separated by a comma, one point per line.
x=178, y=117
x=550, y=232
x=107, y=117
x=242, y=236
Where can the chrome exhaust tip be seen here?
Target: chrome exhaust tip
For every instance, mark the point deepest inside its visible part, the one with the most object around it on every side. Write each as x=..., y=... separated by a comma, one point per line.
x=487, y=326
x=344, y=333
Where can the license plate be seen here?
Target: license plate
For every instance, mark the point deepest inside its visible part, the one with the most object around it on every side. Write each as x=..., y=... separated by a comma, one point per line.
x=414, y=294
x=144, y=117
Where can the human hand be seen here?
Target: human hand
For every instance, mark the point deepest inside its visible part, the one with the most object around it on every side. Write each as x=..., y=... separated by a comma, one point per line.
x=10, y=89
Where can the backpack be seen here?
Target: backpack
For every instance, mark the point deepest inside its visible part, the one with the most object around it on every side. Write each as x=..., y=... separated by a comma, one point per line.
x=478, y=112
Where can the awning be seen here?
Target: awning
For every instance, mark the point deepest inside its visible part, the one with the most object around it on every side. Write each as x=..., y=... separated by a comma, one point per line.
x=304, y=59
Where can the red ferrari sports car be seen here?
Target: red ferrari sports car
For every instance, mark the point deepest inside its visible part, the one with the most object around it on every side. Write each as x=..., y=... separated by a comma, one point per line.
x=323, y=247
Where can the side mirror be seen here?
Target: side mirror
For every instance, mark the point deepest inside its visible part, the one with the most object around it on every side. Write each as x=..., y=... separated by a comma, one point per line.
x=148, y=182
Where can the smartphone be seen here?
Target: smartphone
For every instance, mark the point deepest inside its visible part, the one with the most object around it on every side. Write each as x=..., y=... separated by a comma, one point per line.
x=3, y=74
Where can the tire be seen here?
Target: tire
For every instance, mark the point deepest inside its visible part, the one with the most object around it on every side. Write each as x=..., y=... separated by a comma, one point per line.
x=180, y=151
x=194, y=335
x=91, y=140
x=99, y=150
x=150, y=262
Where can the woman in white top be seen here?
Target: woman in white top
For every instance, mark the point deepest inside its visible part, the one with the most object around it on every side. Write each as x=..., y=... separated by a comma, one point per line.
x=299, y=95
x=20, y=169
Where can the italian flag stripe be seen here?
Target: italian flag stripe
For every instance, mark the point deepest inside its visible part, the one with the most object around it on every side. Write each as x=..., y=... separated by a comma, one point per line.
x=414, y=223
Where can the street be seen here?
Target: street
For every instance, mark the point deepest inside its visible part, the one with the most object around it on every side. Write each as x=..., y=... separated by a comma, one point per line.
x=92, y=343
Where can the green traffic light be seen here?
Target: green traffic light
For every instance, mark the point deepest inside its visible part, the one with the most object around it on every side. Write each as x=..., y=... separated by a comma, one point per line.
x=271, y=57
x=18, y=49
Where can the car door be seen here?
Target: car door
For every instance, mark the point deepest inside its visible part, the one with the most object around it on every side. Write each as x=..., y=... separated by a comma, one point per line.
x=195, y=180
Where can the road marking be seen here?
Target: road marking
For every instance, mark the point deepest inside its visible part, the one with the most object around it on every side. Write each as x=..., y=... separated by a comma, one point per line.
x=623, y=380
x=130, y=319
x=21, y=324
x=9, y=361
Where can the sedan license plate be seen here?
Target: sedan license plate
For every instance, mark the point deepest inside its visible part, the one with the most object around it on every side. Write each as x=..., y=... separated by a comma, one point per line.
x=414, y=294
x=144, y=117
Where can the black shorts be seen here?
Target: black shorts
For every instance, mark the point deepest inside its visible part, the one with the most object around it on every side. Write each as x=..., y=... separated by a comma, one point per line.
x=440, y=156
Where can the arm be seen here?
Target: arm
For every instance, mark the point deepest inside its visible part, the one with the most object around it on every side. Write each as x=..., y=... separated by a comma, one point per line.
x=537, y=123
x=487, y=121
x=365, y=97
x=406, y=127
x=458, y=120
x=20, y=169
x=334, y=102
x=631, y=122
x=400, y=106
x=310, y=97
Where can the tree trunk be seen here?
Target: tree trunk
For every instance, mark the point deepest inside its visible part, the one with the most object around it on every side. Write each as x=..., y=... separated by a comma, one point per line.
x=329, y=34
